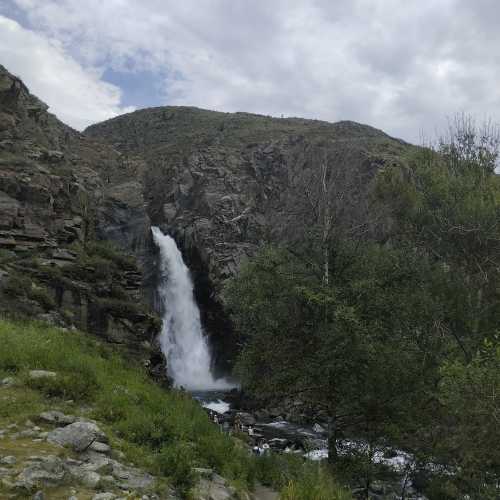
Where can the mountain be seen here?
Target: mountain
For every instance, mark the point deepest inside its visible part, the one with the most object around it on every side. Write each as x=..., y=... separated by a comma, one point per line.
x=60, y=192
x=223, y=184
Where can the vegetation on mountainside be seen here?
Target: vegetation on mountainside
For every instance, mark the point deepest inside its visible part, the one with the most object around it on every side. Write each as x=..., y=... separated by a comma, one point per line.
x=165, y=432
x=394, y=337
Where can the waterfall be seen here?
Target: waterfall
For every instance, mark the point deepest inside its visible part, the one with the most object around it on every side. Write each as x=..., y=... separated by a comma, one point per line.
x=183, y=343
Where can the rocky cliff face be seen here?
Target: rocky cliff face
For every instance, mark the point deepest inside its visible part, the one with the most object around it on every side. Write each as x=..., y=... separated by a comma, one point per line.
x=223, y=184
x=60, y=193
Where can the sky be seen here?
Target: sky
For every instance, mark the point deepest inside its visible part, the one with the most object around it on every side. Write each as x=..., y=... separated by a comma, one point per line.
x=402, y=66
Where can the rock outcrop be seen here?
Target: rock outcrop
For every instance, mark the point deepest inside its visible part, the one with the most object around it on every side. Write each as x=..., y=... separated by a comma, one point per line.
x=60, y=194
x=223, y=184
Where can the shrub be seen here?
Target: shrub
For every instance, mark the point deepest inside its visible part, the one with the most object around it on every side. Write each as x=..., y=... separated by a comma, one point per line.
x=43, y=297
x=176, y=461
x=314, y=484
x=17, y=285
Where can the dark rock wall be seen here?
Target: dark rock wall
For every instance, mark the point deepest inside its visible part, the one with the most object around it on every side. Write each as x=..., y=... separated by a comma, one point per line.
x=61, y=191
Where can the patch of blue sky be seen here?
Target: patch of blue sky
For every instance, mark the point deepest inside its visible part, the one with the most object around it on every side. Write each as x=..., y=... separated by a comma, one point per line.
x=141, y=89
x=9, y=9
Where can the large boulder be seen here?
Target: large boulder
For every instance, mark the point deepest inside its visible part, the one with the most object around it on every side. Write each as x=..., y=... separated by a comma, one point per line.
x=79, y=436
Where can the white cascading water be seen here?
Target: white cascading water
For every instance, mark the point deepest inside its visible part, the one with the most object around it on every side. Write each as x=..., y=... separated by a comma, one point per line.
x=182, y=340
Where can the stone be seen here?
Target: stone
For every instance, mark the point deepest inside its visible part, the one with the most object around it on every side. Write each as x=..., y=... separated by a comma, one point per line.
x=88, y=478
x=56, y=417
x=38, y=496
x=100, y=447
x=131, y=478
x=104, y=496
x=37, y=374
x=8, y=460
x=210, y=490
x=78, y=436
x=4, y=472
x=8, y=381
x=44, y=471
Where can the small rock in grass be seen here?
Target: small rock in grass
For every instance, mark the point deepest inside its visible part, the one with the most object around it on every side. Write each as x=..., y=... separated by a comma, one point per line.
x=38, y=496
x=4, y=472
x=37, y=374
x=8, y=460
x=56, y=417
x=8, y=381
x=104, y=496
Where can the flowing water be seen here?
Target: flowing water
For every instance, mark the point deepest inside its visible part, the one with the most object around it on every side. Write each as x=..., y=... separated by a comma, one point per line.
x=182, y=340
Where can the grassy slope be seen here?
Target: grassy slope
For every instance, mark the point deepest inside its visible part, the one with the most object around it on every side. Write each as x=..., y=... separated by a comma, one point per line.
x=166, y=433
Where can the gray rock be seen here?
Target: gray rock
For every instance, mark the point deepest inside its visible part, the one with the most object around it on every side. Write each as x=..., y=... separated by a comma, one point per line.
x=38, y=496
x=8, y=381
x=97, y=462
x=37, y=374
x=56, y=417
x=132, y=478
x=78, y=436
x=100, y=447
x=214, y=490
x=27, y=433
x=104, y=496
x=44, y=471
x=4, y=472
x=88, y=478
x=8, y=460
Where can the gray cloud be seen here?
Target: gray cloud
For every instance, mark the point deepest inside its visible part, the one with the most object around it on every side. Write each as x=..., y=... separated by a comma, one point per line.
x=402, y=67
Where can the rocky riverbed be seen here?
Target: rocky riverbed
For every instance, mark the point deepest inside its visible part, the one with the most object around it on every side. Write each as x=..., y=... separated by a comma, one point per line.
x=268, y=432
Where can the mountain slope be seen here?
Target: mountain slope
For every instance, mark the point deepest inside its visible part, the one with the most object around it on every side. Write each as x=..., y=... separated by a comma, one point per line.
x=223, y=184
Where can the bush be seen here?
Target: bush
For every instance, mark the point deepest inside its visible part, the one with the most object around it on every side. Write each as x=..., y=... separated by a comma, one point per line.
x=43, y=297
x=17, y=285
x=109, y=252
x=314, y=484
x=176, y=461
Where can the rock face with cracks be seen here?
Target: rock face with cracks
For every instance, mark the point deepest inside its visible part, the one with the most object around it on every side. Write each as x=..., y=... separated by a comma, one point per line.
x=225, y=184
x=60, y=192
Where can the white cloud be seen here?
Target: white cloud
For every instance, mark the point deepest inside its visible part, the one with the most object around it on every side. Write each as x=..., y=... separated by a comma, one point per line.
x=77, y=96
x=399, y=67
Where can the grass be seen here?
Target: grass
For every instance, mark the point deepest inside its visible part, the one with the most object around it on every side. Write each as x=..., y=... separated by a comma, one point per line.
x=165, y=432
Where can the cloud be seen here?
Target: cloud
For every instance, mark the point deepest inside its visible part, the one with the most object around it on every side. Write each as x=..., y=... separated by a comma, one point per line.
x=78, y=97
x=400, y=67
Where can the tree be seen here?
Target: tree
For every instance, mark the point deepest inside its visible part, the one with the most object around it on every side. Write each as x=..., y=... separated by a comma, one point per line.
x=470, y=393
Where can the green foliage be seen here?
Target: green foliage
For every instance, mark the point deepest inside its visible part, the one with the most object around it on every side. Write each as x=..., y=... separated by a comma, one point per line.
x=106, y=251
x=177, y=461
x=17, y=285
x=164, y=431
x=470, y=393
x=314, y=484
x=43, y=297
x=387, y=345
